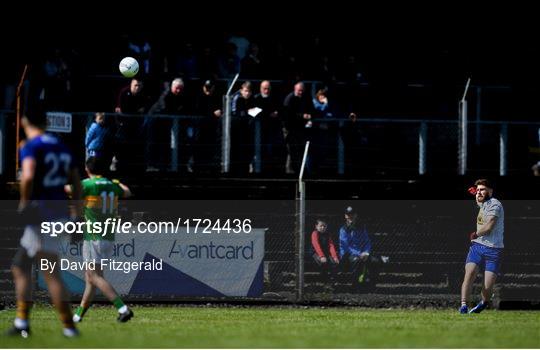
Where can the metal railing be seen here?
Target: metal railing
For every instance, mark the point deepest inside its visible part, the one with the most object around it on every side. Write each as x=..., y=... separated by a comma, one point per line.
x=394, y=139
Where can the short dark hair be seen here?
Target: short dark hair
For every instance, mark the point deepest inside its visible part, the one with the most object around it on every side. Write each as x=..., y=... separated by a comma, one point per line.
x=36, y=114
x=483, y=182
x=94, y=166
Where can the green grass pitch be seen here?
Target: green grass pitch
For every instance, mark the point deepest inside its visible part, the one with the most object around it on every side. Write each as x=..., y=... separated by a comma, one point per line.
x=258, y=327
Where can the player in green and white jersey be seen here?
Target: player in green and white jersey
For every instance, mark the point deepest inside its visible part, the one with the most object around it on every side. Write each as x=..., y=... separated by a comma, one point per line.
x=101, y=197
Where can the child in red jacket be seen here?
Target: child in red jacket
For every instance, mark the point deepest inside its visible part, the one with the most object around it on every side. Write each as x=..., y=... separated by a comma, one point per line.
x=324, y=249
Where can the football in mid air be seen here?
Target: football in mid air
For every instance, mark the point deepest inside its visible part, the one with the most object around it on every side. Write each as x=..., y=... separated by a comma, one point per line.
x=129, y=67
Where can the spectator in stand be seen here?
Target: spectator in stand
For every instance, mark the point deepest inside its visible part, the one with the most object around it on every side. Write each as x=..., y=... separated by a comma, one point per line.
x=242, y=101
x=99, y=141
x=325, y=132
x=132, y=99
x=297, y=110
x=354, y=250
x=172, y=101
x=209, y=107
x=320, y=104
x=129, y=149
x=273, y=146
x=324, y=250
x=242, y=129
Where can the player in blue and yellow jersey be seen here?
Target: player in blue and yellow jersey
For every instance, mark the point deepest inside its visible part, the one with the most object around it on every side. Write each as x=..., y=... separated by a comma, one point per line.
x=486, y=249
x=47, y=166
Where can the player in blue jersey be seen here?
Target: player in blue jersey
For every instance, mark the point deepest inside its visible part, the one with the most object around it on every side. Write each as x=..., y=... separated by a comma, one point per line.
x=486, y=247
x=46, y=167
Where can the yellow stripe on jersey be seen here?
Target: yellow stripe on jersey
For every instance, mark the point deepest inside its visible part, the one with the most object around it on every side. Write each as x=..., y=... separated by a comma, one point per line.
x=93, y=202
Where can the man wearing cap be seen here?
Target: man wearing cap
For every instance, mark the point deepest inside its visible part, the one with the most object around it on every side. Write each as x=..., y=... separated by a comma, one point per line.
x=354, y=249
x=486, y=247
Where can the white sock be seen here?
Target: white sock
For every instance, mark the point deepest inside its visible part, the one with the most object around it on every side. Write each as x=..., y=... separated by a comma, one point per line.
x=463, y=303
x=20, y=323
x=70, y=332
x=123, y=309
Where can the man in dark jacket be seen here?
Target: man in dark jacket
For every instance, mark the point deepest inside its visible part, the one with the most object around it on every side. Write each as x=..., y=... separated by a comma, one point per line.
x=297, y=109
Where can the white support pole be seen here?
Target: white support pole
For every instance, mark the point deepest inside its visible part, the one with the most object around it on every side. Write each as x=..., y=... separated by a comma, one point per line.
x=226, y=130
x=301, y=176
x=232, y=84
x=226, y=135
x=301, y=225
x=422, y=139
x=463, y=124
x=503, y=142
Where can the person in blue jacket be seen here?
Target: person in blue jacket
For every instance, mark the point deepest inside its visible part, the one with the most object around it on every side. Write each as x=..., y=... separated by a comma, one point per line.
x=354, y=249
x=99, y=140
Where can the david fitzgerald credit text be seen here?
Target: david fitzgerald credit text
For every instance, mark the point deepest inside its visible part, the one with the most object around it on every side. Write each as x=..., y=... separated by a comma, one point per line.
x=105, y=264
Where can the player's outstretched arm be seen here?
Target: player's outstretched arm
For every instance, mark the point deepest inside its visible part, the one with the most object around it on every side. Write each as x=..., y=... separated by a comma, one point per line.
x=127, y=191
x=68, y=190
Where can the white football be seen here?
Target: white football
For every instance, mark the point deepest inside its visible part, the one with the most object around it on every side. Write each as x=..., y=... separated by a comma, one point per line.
x=129, y=67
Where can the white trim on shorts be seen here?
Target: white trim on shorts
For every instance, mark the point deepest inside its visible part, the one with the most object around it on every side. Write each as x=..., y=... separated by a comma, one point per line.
x=97, y=250
x=33, y=241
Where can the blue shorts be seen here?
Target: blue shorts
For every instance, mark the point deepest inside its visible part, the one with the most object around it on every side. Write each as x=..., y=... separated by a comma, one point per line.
x=485, y=257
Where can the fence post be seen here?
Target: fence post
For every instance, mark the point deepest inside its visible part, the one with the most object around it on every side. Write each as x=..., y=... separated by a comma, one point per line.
x=226, y=135
x=503, y=138
x=301, y=228
x=257, y=145
x=226, y=130
x=341, y=151
x=174, y=144
x=422, y=139
x=463, y=124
